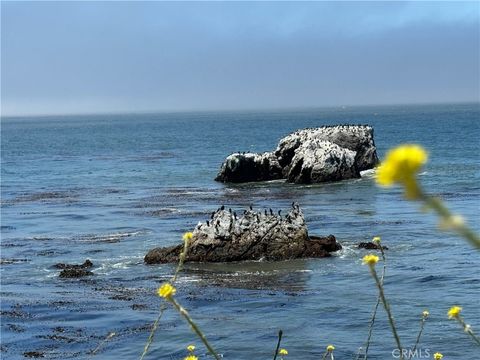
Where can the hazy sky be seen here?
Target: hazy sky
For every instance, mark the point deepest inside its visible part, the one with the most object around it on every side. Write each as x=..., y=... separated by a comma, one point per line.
x=72, y=57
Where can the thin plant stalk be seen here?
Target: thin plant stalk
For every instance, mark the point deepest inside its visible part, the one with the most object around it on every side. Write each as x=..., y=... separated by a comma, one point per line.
x=324, y=357
x=467, y=328
x=194, y=326
x=108, y=337
x=444, y=213
x=375, y=309
x=280, y=333
x=422, y=326
x=163, y=306
x=387, y=309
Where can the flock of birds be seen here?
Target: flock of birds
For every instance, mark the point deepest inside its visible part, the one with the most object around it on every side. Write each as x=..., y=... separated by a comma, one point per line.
x=257, y=215
x=299, y=132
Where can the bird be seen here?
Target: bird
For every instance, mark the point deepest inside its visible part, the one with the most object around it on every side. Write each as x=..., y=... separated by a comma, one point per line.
x=222, y=207
x=229, y=210
x=293, y=204
x=265, y=212
x=208, y=223
x=271, y=211
x=235, y=215
x=279, y=211
x=213, y=214
x=251, y=208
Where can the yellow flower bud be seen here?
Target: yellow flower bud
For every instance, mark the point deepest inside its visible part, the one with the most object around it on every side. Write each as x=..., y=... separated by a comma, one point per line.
x=187, y=236
x=166, y=291
x=454, y=312
x=370, y=259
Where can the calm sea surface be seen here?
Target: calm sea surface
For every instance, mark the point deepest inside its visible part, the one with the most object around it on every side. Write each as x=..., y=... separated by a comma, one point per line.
x=111, y=187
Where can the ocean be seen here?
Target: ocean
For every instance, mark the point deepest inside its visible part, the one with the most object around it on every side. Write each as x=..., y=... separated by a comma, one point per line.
x=110, y=187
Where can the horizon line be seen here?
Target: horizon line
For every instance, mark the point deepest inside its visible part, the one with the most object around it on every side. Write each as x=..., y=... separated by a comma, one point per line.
x=234, y=110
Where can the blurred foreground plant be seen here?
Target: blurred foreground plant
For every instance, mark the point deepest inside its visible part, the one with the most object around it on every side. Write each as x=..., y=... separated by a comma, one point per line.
x=454, y=313
x=401, y=166
x=167, y=291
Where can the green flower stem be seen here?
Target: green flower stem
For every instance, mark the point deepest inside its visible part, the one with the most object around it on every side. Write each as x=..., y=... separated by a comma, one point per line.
x=462, y=229
x=468, y=329
x=422, y=326
x=109, y=336
x=387, y=309
x=163, y=307
x=324, y=357
x=280, y=333
x=194, y=326
x=374, y=315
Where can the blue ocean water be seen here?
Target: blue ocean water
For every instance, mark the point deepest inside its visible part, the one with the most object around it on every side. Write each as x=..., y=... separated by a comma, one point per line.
x=111, y=187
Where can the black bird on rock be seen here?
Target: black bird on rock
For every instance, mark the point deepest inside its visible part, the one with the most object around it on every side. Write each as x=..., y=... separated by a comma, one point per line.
x=251, y=208
x=271, y=211
x=222, y=207
x=208, y=223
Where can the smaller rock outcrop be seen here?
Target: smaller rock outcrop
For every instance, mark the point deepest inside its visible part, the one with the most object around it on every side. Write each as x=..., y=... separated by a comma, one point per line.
x=371, y=246
x=74, y=270
x=265, y=235
x=75, y=273
x=87, y=264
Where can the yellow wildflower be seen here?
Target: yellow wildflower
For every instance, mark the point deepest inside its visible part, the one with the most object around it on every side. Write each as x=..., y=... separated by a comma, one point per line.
x=330, y=348
x=190, y=357
x=376, y=240
x=166, y=291
x=283, y=352
x=187, y=236
x=425, y=313
x=400, y=166
x=437, y=356
x=191, y=348
x=454, y=312
x=370, y=259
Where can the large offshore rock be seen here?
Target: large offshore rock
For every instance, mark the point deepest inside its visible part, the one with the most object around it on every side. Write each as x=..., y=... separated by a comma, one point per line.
x=328, y=153
x=227, y=237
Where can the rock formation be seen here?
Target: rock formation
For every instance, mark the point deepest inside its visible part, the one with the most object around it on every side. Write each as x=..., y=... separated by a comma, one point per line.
x=370, y=246
x=328, y=153
x=74, y=270
x=267, y=235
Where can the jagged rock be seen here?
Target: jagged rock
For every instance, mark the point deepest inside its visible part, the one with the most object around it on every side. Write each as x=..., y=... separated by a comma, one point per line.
x=74, y=273
x=252, y=236
x=74, y=270
x=240, y=167
x=371, y=246
x=328, y=153
x=87, y=264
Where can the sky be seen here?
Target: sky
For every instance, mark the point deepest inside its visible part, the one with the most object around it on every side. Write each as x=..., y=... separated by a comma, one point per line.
x=113, y=57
